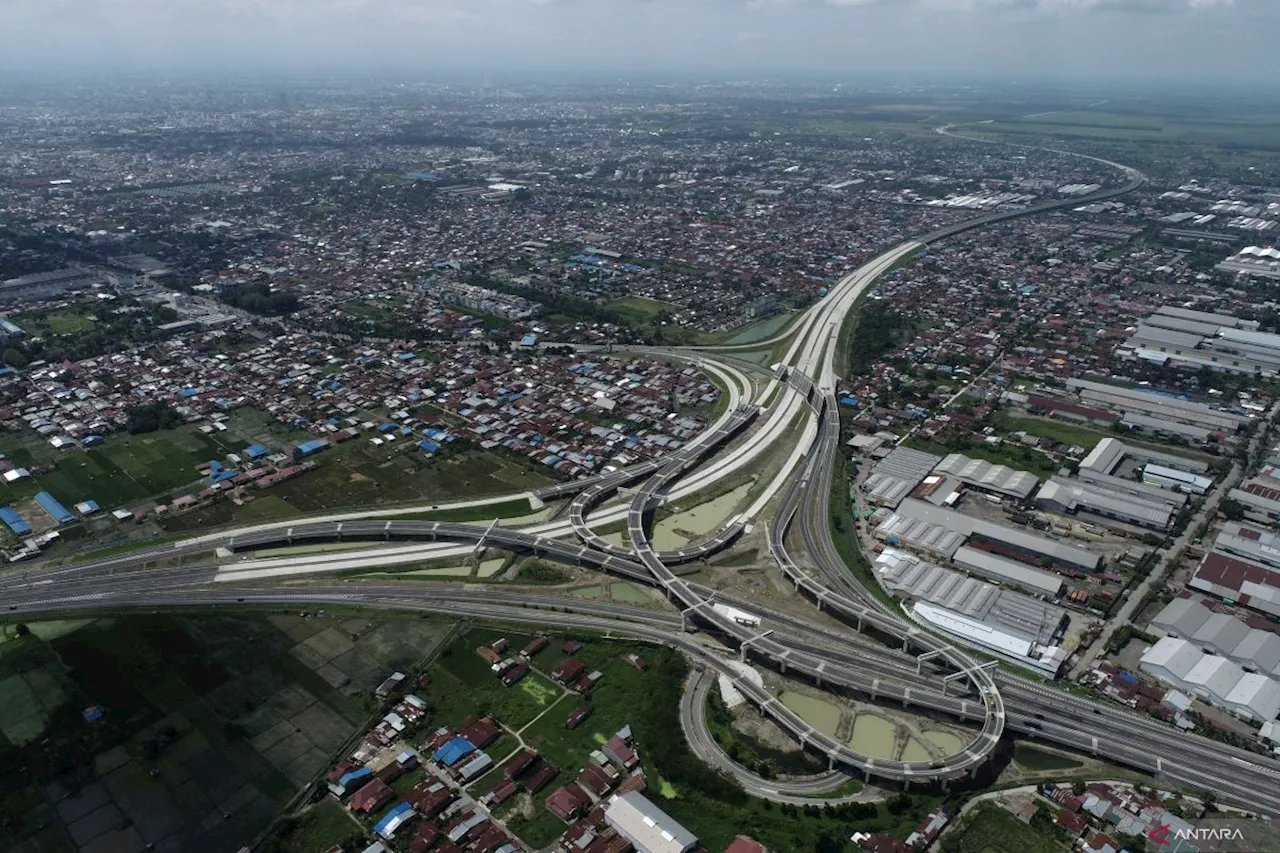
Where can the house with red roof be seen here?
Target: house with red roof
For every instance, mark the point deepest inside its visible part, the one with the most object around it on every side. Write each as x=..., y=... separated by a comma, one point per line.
x=567, y=802
x=371, y=797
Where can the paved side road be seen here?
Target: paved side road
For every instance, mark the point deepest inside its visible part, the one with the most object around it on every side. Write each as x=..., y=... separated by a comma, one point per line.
x=799, y=792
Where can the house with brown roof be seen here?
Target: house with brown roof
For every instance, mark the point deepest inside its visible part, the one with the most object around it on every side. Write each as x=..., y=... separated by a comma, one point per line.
x=480, y=731
x=579, y=714
x=597, y=780
x=521, y=762
x=568, y=671
x=502, y=792
x=536, y=645
x=587, y=683
x=431, y=797
x=514, y=674
x=1073, y=822
x=743, y=844
x=539, y=777
x=620, y=753
x=425, y=839
x=371, y=797
x=567, y=802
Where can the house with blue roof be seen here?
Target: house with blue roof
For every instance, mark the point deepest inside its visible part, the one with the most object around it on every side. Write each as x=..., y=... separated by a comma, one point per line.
x=349, y=781
x=56, y=511
x=256, y=451
x=393, y=820
x=15, y=522
x=453, y=751
x=428, y=446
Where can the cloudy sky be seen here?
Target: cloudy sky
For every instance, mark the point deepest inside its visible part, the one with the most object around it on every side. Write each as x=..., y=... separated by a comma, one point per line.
x=1187, y=39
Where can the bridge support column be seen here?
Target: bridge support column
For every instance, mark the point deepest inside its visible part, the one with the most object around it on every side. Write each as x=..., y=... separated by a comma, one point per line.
x=866, y=775
x=859, y=624
x=906, y=784
x=831, y=762
x=973, y=771
x=946, y=785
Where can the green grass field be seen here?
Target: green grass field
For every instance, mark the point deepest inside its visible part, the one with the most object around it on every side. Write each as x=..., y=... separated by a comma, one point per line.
x=1059, y=431
x=991, y=829
x=1013, y=455
x=125, y=470
x=317, y=829
x=463, y=685
x=1260, y=130
x=65, y=321
x=639, y=311
x=763, y=330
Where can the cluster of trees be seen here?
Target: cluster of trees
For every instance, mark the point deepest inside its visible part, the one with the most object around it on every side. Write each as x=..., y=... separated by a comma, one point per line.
x=656, y=716
x=113, y=330
x=877, y=331
x=149, y=417
x=261, y=299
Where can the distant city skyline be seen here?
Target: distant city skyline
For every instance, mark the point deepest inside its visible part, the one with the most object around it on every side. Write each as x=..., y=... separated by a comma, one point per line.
x=1226, y=40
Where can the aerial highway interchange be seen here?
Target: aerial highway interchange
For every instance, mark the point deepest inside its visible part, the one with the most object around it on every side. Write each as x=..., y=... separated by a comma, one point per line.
x=884, y=657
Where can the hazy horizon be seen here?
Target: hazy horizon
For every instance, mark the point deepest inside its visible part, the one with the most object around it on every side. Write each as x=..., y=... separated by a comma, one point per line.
x=1143, y=40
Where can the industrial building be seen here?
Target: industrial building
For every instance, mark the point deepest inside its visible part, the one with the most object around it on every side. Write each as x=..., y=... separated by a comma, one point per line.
x=1170, y=658
x=1160, y=406
x=1003, y=570
x=1146, y=491
x=919, y=536
x=1250, y=543
x=1161, y=427
x=1019, y=615
x=1238, y=581
x=1010, y=542
x=1077, y=498
x=974, y=632
x=649, y=829
x=1105, y=457
x=984, y=476
x=1213, y=679
x=10, y=331
x=1260, y=497
x=1233, y=346
x=1253, y=261
x=45, y=285
x=1101, y=463
x=1172, y=478
x=1220, y=634
x=897, y=474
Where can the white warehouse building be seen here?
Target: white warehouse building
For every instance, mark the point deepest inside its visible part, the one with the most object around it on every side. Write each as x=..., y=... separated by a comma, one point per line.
x=1213, y=679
